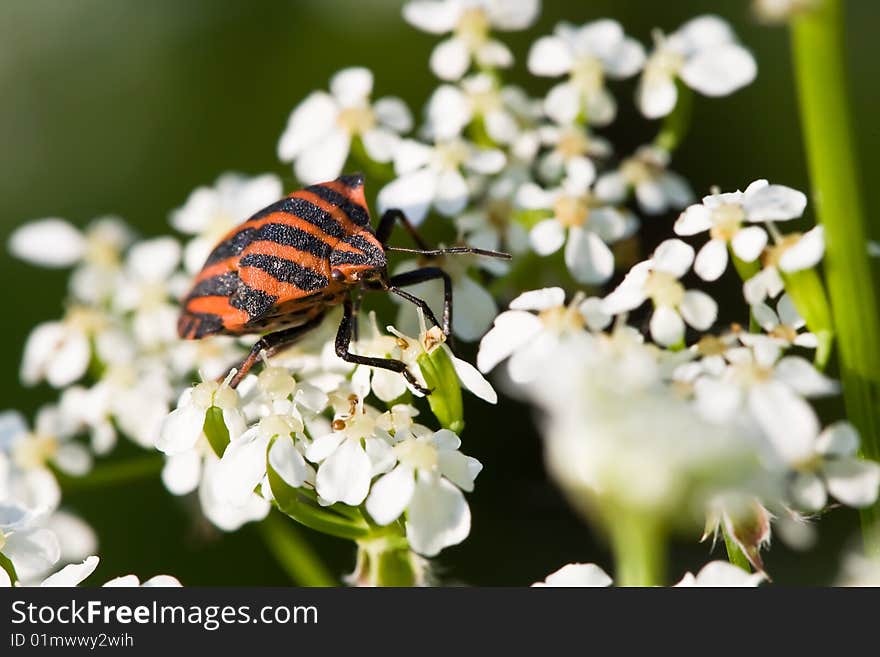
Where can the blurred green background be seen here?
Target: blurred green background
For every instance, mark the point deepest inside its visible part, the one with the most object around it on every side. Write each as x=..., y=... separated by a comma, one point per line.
x=112, y=106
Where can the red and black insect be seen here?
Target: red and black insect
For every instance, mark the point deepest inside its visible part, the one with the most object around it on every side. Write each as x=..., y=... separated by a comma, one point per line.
x=282, y=269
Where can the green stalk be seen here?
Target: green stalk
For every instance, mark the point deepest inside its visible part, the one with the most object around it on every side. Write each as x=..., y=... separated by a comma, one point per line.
x=818, y=53
x=293, y=552
x=676, y=124
x=639, y=550
x=117, y=473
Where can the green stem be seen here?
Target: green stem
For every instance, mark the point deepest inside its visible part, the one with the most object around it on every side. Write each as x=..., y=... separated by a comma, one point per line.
x=818, y=47
x=113, y=474
x=293, y=552
x=639, y=550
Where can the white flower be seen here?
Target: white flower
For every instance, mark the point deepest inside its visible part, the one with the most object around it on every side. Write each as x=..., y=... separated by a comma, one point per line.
x=350, y=456
x=48, y=242
x=857, y=570
x=657, y=279
x=164, y=581
x=759, y=386
x=657, y=189
x=321, y=128
x=577, y=574
x=183, y=427
x=31, y=548
x=74, y=574
x=527, y=338
x=580, y=222
x=587, y=54
x=59, y=351
x=717, y=574
x=51, y=441
x=785, y=323
x=791, y=253
x=226, y=516
x=724, y=216
x=704, y=54
x=431, y=176
x=211, y=212
x=572, y=151
x=470, y=22
x=835, y=469
x=427, y=483
x=451, y=109
x=491, y=224
x=781, y=11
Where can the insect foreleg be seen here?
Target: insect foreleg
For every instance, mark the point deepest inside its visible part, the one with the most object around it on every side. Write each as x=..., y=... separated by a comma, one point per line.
x=272, y=344
x=343, y=343
x=386, y=224
x=420, y=276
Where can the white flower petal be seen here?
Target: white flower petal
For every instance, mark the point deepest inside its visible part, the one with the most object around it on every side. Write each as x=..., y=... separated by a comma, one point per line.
x=699, y=309
x=242, y=467
x=673, y=257
x=696, y=219
x=48, y=242
x=550, y=56
x=547, y=297
x=718, y=574
x=774, y=203
x=513, y=15
x=182, y=472
x=163, y=581
x=788, y=421
x=72, y=574
x=288, y=463
x=720, y=71
x=563, y=103
x=839, y=439
x=352, y=86
x=380, y=144
x=749, y=243
x=802, y=377
x=438, y=516
x=32, y=552
x=432, y=16
x=450, y=59
x=667, y=327
x=588, y=258
x=656, y=95
x=411, y=193
x=611, y=187
x=452, y=193
x=712, y=260
x=593, y=312
x=806, y=253
x=808, y=492
x=310, y=121
x=461, y=470
x=449, y=111
x=512, y=330
x=323, y=160
x=547, y=237
x=391, y=494
x=471, y=379
x=345, y=475
x=393, y=112
x=324, y=446
x=475, y=308
x=181, y=429
x=577, y=574
x=852, y=481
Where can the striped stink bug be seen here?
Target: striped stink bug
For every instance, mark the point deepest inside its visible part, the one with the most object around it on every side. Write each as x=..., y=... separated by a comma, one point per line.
x=281, y=270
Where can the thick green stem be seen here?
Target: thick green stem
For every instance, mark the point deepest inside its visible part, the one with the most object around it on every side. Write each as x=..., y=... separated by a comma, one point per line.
x=293, y=552
x=818, y=52
x=639, y=548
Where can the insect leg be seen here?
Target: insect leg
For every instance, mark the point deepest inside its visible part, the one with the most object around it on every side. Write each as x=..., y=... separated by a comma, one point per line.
x=272, y=344
x=420, y=276
x=343, y=342
x=386, y=224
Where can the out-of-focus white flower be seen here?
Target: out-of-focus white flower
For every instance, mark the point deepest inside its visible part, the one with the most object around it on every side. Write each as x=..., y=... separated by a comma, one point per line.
x=779, y=11
x=50, y=442
x=74, y=574
x=577, y=574
x=587, y=54
x=784, y=323
x=211, y=212
x=59, y=351
x=217, y=509
x=491, y=224
x=572, y=149
x=657, y=189
x=791, y=253
x=581, y=222
x=718, y=574
x=321, y=128
x=183, y=427
x=835, y=469
x=704, y=54
x=131, y=581
x=527, y=338
x=657, y=279
x=451, y=109
x=858, y=570
x=426, y=483
x=431, y=176
x=470, y=22
x=724, y=216
x=757, y=384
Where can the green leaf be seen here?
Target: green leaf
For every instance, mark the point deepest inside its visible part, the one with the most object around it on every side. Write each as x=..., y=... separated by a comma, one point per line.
x=292, y=502
x=6, y=564
x=445, y=397
x=216, y=431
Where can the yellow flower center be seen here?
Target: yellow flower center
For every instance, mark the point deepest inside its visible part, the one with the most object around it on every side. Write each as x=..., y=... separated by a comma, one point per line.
x=473, y=28
x=417, y=454
x=664, y=63
x=276, y=425
x=35, y=450
x=563, y=319
x=587, y=74
x=357, y=120
x=87, y=320
x=726, y=221
x=773, y=253
x=573, y=142
x=711, y=345
x=636, y=171
x=571, y=210
x=276, y=382
x=664, y=289
x=451, y=154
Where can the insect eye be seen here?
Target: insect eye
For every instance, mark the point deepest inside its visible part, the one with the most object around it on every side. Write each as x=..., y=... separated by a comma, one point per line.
x=337, y=275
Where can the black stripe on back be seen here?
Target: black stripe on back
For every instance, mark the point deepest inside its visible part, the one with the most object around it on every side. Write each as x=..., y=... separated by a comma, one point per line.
x=305, y=210
x=216, y=286
x=255, y=303
x=353, y=180
x=278, y=233
x=340, y=257
x=286, y=271
x=357, y=213
x=373, y=253
x=206, y=323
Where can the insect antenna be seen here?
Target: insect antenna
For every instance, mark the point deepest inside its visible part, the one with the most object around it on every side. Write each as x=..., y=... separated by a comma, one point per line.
x=452, y=250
